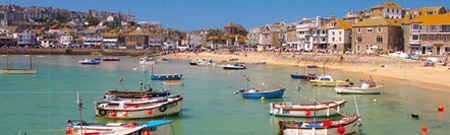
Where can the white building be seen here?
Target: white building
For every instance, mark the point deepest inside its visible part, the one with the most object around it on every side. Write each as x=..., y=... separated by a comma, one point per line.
x=255, y=36
x=66, y=40
x=388, y=10
x=25, y=38
x=310, y=33
x=110, y=40
x=339, y=35
x=92, y=40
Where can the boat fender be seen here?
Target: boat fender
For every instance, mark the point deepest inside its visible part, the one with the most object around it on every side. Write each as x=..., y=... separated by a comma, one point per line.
x=257, y=90
x=308, y=78
x=102, y=112
x=163, y=108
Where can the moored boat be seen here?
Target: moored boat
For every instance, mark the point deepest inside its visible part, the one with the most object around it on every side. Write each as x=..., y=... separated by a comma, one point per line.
x=256, y=93
x=306, y=110
x=147, y=60
x=144, y=108
x=166, y=76
x=155, y=127
x=341, y=126
x=165, y=60
x=98, y=58
x=234, y=66
x=304, y=77
x=312, y=66
x=366, y=87
x=89, y=62
x=173, y=82
x=111, y=59
x=326, y=80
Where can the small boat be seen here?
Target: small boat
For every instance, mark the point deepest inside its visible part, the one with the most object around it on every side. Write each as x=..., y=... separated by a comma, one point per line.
x=234, y=66
x=196, y=62
x=312, y=66
x=141, y=108
x=89, y=62
x=234, y=59
x=166, y=76
x=223, y=61
x=260, y=63
x=8, y=70
x=155, y=127
x=98, y=58
x=326, y=80
x=173, y=82
x=256, y=93
x=206, y=63
x=341, y=126
x=165, y=60
x=147, y=60
x=110, y=59
x=306, y=110
x=118, y=94
x=367, y=87
x=413, y=57
x=304, y=77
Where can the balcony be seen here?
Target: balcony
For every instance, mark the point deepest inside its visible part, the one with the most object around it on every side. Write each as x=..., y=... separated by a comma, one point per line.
x=414, y=42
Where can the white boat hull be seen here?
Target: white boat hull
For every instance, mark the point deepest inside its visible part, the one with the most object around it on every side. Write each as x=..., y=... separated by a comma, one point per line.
x=301, y=111
x=164, y=129
x=162, y=109
x=146, y=62
x=18, y=71
x=330, y=84
x=358, y=90
x=349, y=129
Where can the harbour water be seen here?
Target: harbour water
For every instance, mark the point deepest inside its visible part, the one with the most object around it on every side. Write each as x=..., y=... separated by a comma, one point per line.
x=47, y=100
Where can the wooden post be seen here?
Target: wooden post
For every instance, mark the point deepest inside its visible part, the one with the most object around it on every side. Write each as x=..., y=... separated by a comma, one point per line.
x=31, y=61
x=304, y=67
x=7, y=58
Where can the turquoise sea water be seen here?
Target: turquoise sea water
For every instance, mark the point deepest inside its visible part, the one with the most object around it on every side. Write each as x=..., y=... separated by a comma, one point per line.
x=47, y=100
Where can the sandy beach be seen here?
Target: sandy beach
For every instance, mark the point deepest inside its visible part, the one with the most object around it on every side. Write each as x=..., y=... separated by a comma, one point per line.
x=404, y=71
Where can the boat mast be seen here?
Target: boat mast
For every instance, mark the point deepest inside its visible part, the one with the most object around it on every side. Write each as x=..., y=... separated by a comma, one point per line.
x=80, y=107
x=298, y=62
x=248, y=80
x=324, y=73
x=153, y=66
x=7, y=59
x=31, y=61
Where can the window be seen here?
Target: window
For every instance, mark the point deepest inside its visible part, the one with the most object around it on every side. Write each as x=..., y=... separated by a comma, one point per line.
x=359, y=30
x=388, y=10
x=379, y=29
x=415, y=37
x=358, y=48
x=359, y=39
x=340, y=32
x=369, y=30
x=379, y=39
x=332, y=39
x=431, y=38
x=446, y=38
x=415, y=26
x=367, y=47
x=340, y=39
x=332, y=33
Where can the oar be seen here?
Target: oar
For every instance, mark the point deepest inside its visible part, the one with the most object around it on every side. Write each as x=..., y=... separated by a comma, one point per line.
x=315, y=102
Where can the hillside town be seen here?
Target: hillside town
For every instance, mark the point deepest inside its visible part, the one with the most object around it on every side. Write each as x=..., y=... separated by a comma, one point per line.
x=384, y=28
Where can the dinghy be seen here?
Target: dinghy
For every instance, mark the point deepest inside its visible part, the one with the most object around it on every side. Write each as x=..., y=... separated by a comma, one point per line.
x=155, y=127
x=234, y=66
x=306, y=110
x=144, y=108
x=146, y=60
x=89, y=62
x=341, y=126
x=111, y=59
x=171, y=83
x=164, y=76
x=366, y=87
x=256, y=93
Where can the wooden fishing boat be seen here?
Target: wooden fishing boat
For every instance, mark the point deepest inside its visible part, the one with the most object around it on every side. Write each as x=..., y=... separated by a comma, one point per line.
x=146, y=60
x=166, y=76
x=326, y=80
x=89, y=62
x=155, y=127
x=256, y=93
x=341, y=126
x=304, y=77
x=111, y=59
x=115, y=94
x=133, y=109
x=306, y=110
x=8, y=70
x=173, y=82
x=234, y=66
x=366, y=87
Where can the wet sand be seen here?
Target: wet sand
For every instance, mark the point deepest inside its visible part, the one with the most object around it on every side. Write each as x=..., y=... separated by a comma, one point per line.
x=400, y=71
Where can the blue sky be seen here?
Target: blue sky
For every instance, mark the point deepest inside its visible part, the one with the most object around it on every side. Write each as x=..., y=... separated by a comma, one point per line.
x=203, y=14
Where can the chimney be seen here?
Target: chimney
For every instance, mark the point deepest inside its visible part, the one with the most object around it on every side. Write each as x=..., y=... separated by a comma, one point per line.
x=332, y=17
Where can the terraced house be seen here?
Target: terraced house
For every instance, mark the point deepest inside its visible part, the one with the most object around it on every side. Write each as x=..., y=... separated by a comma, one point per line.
x=339, y=35
x=429, y=35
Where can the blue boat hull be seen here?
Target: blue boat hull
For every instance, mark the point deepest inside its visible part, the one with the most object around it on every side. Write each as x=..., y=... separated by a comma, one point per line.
x=304, y=77
x=166, y=77
x=274, y=94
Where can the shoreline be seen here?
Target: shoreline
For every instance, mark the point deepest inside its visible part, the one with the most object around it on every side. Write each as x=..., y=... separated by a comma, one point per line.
x=77, y=51
x=400, y=71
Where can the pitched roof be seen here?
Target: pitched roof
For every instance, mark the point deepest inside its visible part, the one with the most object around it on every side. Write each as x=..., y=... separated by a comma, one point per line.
x=379, y=21
x=233, y=25
x=340, y=24
x=136, y=32
x=429, y=9
x=388, y=5
x=9, y=27
x=79, y=39
x=432, y=19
